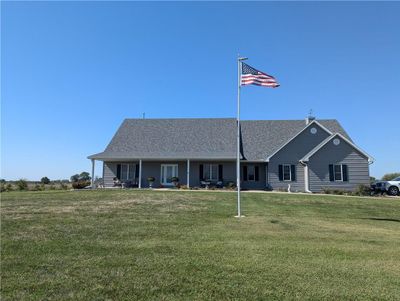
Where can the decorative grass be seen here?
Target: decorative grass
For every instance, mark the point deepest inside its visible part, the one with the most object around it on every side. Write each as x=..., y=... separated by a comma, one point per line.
x=152, y=245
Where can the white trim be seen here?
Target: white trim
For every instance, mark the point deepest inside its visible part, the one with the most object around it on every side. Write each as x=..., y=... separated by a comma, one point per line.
x=93, y=166
x=188, y=173
x=307, y=157
x=140, y=174
x=290, y=140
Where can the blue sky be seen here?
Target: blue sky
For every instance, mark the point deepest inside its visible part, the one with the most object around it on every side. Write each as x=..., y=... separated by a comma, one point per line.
x=72, y=71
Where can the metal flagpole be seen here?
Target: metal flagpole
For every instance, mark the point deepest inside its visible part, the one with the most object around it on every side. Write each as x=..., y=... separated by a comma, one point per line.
x=240, y=59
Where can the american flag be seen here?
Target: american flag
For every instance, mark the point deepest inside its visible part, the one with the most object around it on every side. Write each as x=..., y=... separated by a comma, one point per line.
x=251, y=76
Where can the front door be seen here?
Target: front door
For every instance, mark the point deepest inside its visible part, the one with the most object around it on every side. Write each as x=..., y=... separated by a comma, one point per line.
x=168, y=171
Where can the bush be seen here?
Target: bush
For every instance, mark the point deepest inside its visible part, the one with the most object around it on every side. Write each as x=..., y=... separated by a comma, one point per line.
x=83, y=177
x=336, y=191
x=362, y=190
x=22, y=184
x=52, y=187
x=9, y=187
x=80, y=184
x=151, y=179
x=45, y=180
x=63, y=186
x=390, y=176
x=175, y=179
x=183, y=187
x=37, y=187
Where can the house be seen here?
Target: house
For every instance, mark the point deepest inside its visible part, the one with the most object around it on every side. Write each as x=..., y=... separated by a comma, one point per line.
x=309, y=155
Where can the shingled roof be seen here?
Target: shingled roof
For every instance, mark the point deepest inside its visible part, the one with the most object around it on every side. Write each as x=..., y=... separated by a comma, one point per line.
x=208, y=138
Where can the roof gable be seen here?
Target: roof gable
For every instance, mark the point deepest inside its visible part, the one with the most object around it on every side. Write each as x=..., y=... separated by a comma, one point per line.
x=307, y=157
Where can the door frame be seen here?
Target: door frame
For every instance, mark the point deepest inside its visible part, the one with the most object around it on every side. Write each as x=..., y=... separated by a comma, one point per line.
x=162, y=176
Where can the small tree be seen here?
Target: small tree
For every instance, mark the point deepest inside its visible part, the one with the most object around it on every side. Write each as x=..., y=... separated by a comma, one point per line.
x=22, y=184
x=75, y=178
x=45, y=180
x=84, y=176
x=390, y=176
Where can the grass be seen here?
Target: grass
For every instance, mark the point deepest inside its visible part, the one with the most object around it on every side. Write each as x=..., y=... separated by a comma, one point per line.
x=149, y=245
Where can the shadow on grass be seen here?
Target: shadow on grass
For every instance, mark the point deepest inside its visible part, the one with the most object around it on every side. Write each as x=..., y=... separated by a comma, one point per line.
x=383, y=219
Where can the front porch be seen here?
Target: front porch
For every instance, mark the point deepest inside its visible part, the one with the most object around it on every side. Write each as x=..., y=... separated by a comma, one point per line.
x=190, y=173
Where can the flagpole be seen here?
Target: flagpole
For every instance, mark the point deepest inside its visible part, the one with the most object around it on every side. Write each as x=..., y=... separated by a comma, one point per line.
x=239, y=61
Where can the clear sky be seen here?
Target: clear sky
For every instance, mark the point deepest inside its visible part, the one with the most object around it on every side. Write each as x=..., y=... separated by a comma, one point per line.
x=72, y=71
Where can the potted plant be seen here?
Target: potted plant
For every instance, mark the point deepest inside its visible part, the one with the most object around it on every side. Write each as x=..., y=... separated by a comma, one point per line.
x=151, y=181
x=175, y=181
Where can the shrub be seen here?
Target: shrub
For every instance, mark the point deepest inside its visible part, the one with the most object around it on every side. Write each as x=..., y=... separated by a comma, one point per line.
x=2, y=187
x=183, y=187
x=390, y=176
x=231, y=185
x=362, y=190
x=80, y=184
x=22, y=184
x=45, y=180
x=37, y=187
x=63, y=186
x=175, y=179
x=52, y=187
x=9, y=187
x=83, y=177
x=151, y=179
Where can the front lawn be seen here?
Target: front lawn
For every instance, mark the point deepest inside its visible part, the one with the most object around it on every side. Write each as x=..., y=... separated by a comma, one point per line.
x=153, y=245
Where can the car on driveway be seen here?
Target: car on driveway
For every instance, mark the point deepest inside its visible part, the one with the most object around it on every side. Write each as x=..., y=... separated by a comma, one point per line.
x=391, y=187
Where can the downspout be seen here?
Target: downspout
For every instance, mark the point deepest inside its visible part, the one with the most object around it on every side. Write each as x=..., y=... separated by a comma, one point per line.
x=306, y=178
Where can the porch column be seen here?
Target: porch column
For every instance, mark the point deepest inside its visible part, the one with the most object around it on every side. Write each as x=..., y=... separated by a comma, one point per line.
x=188, y=173
x=92, y=183
x=140, y=173
x=306, y=179
x=266, y=175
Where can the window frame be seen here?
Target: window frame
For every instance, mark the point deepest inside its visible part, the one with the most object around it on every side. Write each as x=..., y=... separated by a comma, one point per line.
x=341, y=173
x=209, y=167
x=290, y=172
x=128, y=171
x=249, y=167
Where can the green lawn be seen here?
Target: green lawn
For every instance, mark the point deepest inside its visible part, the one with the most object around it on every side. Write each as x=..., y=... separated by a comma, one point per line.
x=149, y=245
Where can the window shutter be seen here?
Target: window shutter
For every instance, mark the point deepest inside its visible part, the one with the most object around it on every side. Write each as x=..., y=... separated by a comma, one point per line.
x=137, y=171
x=118, y=171
x=331, y=174
x=280, y=173
x=293, y=172
x=244, y=173
x=220, y=172
x=256, y=173
x=345, y=173
x=201, y=167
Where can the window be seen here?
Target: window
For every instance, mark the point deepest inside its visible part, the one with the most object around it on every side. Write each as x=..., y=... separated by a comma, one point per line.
x=210, y=172
x=286, y=172
x=168, y=171
x=250, y=173
x=125, y=171
x=338, y=172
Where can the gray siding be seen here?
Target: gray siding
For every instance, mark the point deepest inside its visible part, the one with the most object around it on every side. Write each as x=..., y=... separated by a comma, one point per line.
x=358, y=167
x=260, y=184
x=291, y=154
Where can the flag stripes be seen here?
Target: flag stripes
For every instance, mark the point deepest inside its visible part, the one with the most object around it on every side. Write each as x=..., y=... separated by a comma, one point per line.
x=251, y=76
